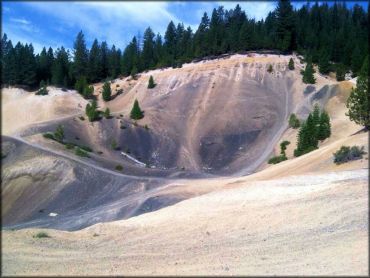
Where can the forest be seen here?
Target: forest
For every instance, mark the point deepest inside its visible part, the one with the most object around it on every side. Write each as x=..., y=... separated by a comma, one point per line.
x=333, y=36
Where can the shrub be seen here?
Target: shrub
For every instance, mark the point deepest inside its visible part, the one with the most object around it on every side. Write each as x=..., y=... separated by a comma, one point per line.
x=146, y=127
x=283, y=146
x=91, y=111
x=269, y=69
x=88, y=92
x=69, y=146
x=81, y=118
x=80, y=152
x=119, y=168
x=86, y=148
x=41, y=235
x=114, y=145
x=345, y=154
x=107, y=113
x=49, y=135
x=59, y=133
x=80, y=85
x=293, y=121
x=291, y=64
x=277, y=159
x=42, y=91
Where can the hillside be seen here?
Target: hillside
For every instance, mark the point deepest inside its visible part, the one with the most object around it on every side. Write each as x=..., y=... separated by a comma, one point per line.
x=207, y=202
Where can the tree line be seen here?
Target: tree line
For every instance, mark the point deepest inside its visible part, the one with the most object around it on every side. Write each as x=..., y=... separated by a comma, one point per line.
x=335, y=37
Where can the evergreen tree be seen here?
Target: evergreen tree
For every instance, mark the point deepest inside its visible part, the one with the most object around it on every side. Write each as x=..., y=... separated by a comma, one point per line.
x=107, y=113
x=88, y=92
x=60, y=68
x=148, y=57
x=136, y=112
x=308, y=77
x=151, y=83
x=94, y=62
x=324, y=130
x=324, y=65
x=356, y=61
x=81, y=84
x=340, y=72
x=291, y=64
x=80, y=56
x=285, y=25
x=91, y=111
x=107, y=92
x=358, y=101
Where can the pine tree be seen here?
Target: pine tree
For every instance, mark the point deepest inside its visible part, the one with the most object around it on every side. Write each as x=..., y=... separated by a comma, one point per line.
x=308, y=77
x=324, y=130
x=80, y=56
x=151, y=83
x=107, y=92
x=340, y=72
x=88, y=92
x=356, y=60
x=324, y=65
x=107, y=113
x=136, y=112
x=81, y=84
x=91, y=111
x=358, y=101
x=60, y=68
x=285, y=25
x=94, y=62
x=291, y=64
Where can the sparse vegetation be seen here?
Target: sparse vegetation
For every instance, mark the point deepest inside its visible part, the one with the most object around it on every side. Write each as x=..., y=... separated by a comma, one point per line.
x=91, y=111
x=345, y=154
x=282, y=156
x=59, y=133
x=41, y=235
x=136, y=113
x=107, y=113
x=81, y=152
x=294, y=121
x=48, y=135
x=151, y=83
x=69, y=146
x=114, y=145
x=316, y=128
x=42, y=91
x=107, y=92
x=308, y=72
x=358, y=101
x=269, y=69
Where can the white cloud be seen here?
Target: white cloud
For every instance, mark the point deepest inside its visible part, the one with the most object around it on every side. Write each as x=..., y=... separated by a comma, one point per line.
x=20, y=21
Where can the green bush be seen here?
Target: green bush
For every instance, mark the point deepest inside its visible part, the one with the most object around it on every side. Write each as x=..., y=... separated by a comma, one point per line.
x=41, y=235
x=136, y=112
x=49, y=135
x=107, y=92
x=291, y=64
x=269, y=69
x=86, y=148
x=119, y=168
x=294, y=121
x=80, y=152
x=277, y=159
x=69, y=146
x=345, y=154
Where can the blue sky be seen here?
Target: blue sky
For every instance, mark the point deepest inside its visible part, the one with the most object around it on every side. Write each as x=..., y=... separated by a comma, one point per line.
x=57, y=23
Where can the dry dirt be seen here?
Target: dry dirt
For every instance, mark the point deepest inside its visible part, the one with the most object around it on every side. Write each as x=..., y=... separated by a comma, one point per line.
x=304, y=216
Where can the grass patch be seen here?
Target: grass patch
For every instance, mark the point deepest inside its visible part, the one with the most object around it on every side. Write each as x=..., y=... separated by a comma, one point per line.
x=49, y=135
x=80, y=152
x=86, y=148
x=69, y=146
x=41, y=235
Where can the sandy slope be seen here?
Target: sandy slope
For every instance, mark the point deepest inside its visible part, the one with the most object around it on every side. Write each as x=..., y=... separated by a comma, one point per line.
x=312, y=224
x=21, y=109
x=303, y=216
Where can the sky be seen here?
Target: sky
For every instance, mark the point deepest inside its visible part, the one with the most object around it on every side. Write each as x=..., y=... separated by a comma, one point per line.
x=56, y=24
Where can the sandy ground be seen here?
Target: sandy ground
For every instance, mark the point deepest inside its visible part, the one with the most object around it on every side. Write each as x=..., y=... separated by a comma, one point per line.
x=311, y=224
x=304, y=216
x=21, y=109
